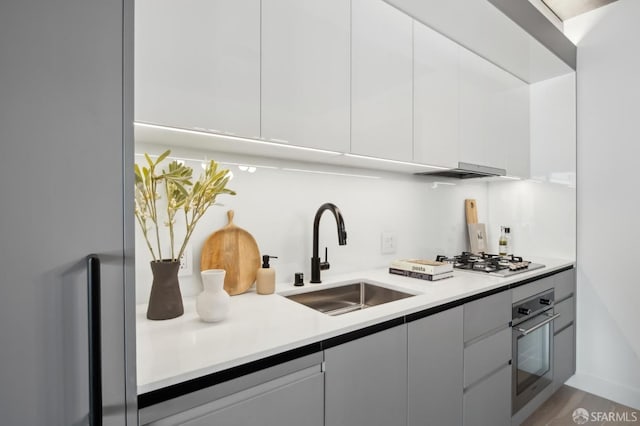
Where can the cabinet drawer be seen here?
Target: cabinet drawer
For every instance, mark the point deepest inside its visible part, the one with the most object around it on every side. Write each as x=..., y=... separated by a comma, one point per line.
x=564, y=356
x=567, y=311
x=531, y=289
x=303, y=400
x=487, y=314
x=565, y=284
x=489, y=402
x=486, y=356
x=231, y=391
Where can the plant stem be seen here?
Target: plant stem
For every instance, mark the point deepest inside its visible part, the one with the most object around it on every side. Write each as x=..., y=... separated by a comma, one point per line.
x=187, y=235
x=154, y=216
x=146, y=238
x=170, y=217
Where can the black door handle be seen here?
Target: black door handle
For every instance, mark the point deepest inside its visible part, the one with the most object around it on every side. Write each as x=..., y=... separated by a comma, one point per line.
x=95, y=340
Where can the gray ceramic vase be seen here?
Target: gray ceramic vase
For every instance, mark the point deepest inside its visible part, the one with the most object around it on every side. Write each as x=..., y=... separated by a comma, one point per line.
x=165, y=301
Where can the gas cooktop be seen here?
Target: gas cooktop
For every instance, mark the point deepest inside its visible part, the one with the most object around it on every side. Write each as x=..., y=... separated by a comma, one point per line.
x=492, y=264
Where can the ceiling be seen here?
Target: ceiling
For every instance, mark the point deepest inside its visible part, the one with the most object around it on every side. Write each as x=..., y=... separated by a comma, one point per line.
x=566, y=9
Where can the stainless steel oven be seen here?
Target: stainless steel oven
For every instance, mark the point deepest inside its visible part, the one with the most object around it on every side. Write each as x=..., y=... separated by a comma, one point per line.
x=532, y=367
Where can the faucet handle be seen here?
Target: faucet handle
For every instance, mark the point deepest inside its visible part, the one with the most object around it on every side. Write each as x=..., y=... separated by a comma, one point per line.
x=325, y=265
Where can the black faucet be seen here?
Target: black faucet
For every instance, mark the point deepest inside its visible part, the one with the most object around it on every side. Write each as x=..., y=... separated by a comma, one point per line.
x=316, y=264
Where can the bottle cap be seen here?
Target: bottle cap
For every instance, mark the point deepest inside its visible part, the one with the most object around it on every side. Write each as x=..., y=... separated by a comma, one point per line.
x=265, y=260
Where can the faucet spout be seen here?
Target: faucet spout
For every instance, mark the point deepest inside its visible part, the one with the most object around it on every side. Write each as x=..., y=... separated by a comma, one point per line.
x=316, y=264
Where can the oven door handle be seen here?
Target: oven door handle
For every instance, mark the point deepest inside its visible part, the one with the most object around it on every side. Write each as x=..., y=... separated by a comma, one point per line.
x=526, y=331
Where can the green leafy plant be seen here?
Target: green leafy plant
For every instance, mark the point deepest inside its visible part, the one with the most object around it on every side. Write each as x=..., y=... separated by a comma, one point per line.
x=181, y=193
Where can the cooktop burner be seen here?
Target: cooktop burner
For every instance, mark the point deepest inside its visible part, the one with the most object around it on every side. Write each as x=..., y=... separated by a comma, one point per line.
x=492, y=264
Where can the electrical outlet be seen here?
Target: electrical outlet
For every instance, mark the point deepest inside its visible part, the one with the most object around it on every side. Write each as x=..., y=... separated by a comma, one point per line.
x=186, y=262
x=388, y=242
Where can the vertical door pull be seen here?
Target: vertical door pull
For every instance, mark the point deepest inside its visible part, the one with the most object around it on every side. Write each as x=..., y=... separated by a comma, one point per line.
x=95, y=340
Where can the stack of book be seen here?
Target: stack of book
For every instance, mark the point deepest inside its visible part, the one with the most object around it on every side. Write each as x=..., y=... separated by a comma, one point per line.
x=423, y=269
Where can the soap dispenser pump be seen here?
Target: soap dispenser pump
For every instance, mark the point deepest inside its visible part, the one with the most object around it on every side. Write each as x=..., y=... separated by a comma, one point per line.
x=266, y=277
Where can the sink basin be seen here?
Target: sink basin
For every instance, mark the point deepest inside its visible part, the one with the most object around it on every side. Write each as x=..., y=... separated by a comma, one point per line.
x=348, y=298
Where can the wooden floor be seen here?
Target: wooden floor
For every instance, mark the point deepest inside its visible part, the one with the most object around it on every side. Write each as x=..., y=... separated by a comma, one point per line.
x=558, y=410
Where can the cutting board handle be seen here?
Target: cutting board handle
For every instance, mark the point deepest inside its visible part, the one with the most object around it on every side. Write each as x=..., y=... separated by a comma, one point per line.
x=230, y=216
x=471, y=210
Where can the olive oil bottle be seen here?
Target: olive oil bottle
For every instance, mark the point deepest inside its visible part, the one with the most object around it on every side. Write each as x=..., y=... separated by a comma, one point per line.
x=503, y=242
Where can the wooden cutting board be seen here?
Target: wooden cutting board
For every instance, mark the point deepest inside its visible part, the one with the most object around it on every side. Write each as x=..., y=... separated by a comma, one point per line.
x=470, y=208
x=477, y=231
x=235, y=250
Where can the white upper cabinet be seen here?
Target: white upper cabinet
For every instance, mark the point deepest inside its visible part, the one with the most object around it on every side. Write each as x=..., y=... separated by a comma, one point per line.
x=381, y=68
x=355, y=76
x=435, y=98
x=305, y=72
x=482, y=98
x=494, y=116
x=516, y=128
x=198, y=64
x=553, y=130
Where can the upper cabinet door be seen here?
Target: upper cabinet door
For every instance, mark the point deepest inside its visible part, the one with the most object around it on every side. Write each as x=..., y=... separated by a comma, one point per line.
x=516, y=127
x=435, y=98
x=305, y=72
x=382, y=68
x=198, y=64
x=482, y=97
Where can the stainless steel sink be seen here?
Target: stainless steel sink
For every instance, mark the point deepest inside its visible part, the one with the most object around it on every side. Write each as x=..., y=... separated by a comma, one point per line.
x=348, y=298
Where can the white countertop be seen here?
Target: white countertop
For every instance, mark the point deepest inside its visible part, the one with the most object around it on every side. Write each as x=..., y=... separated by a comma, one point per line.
x=173, y=351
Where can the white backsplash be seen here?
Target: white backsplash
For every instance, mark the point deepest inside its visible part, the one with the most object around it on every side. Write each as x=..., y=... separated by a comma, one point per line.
x=542, y=218
x=277, y=206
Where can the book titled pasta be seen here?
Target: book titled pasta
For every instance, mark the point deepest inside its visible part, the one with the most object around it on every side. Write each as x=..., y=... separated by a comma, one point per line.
x=423, y=266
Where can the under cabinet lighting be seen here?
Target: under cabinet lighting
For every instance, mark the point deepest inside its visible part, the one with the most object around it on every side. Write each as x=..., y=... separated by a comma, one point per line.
x=319, y=172
x=235, y=138
x=406, y=163
x=511, y=177
x=255, y=166
x=251, y=168
x=435, y=185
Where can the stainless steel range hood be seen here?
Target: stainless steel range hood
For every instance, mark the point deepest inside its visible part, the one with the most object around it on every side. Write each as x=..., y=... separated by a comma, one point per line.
x=467, y=171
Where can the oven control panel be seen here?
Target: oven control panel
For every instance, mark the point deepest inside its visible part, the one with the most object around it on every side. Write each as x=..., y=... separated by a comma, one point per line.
x=530, y=307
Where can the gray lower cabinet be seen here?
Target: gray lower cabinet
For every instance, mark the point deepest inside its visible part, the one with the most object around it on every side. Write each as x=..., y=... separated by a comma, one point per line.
x=564, y=340
x=564, y=361
x=291, y=393
x=487, y=354
x=434, y=369
x=366, y=380
x=449, y=368
x=565, y=284
x=488, y=402
x=298, y=404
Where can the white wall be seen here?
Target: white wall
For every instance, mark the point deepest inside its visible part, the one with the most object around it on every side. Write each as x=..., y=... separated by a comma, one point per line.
x=608, y=199
x=277, y=207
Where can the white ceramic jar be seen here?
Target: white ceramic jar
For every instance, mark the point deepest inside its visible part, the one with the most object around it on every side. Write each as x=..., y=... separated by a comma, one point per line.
x=213, y=303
